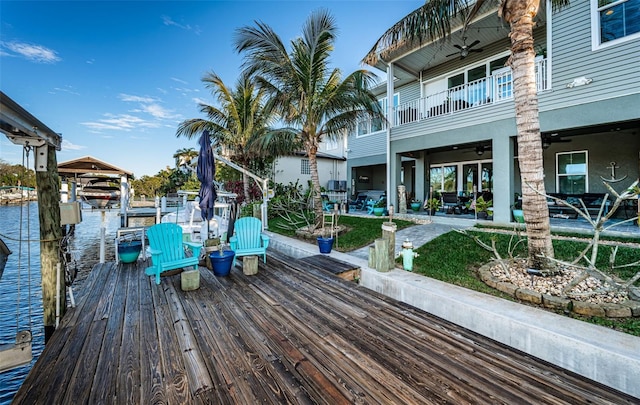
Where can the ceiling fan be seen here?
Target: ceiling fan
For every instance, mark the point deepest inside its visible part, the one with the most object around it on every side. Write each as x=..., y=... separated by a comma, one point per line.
x=479, y=148
x=466, y=49
x=547, y=140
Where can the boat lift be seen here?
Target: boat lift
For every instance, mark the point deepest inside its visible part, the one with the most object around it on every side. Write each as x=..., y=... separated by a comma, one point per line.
x=18, y=354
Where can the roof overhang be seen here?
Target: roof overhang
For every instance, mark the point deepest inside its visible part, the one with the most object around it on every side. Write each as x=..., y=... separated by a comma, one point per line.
x=89, y=166
x=412, y=58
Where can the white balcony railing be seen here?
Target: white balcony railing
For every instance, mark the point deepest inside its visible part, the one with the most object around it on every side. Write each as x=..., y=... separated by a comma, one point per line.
x=489, y=90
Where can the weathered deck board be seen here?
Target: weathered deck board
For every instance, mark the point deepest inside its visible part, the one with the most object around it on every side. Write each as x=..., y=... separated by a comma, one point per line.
x=293, y=333
x=340, y=268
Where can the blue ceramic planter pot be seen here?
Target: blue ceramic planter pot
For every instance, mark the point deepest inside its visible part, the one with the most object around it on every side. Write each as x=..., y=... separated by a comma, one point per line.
x=325, y=244
x=221, y=262
x=129, y=251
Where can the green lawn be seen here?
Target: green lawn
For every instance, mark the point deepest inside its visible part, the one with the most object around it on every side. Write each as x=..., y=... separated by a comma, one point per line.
x=360, y=231
x=454, y=258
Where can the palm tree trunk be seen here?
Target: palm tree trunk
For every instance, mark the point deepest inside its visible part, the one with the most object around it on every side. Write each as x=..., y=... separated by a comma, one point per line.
x=315, y=181
x=245, y=186
x=534, y=203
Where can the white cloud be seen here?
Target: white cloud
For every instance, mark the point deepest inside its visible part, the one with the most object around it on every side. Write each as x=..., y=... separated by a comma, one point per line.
x=150, y=106
x=169, y=21
x=138, y=99
x=175, y=79
x=158, y=111
x=67, y=146
x=66, y=89
x=199, y=101
x=32, y=52
x=120, y=122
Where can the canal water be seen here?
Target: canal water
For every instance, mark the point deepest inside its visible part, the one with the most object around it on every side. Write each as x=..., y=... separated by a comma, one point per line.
x=20, y=289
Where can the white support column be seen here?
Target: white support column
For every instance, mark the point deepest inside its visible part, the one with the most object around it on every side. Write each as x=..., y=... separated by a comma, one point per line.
x=419, y=179
x=391, y=121
x=503, y=162
x=124, y=199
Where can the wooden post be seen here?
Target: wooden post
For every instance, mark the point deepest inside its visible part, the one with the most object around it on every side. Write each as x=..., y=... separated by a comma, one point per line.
x=50, y=236
x=382, y=254
x=250, y=265
x=389, y=234
x=257, y=211
x=372, y=257
x=190, y=280
x=103, y=231
x=402, y=199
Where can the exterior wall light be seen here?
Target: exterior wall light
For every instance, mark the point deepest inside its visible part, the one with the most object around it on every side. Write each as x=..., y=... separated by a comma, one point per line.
x=580, y=81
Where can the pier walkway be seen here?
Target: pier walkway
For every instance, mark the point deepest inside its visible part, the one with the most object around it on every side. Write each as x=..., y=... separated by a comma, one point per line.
x=293, y=333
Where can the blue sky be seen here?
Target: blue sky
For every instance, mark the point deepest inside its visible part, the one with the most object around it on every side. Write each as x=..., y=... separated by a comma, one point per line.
x=115, y=78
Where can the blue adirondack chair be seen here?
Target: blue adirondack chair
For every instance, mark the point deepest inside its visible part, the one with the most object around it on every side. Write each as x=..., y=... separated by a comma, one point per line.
x=168, y=249
x=248, y=239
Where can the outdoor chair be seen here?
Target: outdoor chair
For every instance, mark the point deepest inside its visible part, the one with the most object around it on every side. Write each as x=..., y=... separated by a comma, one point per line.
x=359, y=202
x=327, y=205
x=450, y=202
x=248, y=239
x=167, y=250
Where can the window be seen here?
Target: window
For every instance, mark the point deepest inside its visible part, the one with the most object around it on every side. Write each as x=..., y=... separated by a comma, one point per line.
x=473, y=87
x=443, y=178
x=615, y=20
x=375, y=125
x=304, y=166
x=331, y=144
x=571, y=172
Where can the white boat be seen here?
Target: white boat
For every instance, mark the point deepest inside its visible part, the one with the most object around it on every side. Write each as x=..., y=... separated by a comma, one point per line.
x=100, y=193
x=4, y=255
x=189, y=217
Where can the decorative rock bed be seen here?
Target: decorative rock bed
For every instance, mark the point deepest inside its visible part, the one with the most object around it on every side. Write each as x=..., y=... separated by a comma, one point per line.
x=545, y=291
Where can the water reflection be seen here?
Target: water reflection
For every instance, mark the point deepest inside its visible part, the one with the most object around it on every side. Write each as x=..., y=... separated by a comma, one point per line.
x=20, y=288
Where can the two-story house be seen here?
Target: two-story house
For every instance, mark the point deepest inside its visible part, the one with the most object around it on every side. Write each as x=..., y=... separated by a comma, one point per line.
x=452, y=126
x=332, y=169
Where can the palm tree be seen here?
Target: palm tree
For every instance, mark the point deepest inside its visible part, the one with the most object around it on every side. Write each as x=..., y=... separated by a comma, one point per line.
x=431, y=22
x=313, y=100
x=184, y=157
x=242, y=117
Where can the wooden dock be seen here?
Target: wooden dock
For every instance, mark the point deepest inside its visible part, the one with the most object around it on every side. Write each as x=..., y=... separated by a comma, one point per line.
x=293, y=333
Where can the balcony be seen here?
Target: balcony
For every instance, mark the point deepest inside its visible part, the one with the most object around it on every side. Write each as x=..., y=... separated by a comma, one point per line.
x=493, y=89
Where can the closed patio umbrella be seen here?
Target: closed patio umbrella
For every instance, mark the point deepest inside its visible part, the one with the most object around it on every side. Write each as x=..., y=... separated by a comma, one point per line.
x=206, y=173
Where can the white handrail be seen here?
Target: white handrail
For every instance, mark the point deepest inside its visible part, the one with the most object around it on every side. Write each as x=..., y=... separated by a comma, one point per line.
x=262, y=183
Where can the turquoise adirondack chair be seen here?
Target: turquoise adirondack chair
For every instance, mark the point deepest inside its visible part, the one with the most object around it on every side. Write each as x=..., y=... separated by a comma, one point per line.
x=248, y=239
x=168, y=249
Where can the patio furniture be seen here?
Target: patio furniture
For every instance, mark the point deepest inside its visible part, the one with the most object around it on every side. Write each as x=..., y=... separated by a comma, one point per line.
x=359, y=202
x=167, y=250
x=450, y=202
x=248, y=239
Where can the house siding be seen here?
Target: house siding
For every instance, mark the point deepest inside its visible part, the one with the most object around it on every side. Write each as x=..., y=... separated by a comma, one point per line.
x=585, y=114
x=367, y=145
x=615, y=70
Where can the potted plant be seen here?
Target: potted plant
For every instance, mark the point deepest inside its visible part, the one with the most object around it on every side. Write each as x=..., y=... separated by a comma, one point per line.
x=221, y=261
x=433, y=205
x=416, y=204
x=325, y=244
x=482, y=207
x=129, y=249
x=379, y=207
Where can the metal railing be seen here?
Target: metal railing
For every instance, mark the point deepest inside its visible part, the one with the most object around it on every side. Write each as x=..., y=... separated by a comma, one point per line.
x=489, y=90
